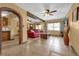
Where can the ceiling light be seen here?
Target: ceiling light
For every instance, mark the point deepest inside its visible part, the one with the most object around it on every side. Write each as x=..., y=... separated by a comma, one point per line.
x=47, y=14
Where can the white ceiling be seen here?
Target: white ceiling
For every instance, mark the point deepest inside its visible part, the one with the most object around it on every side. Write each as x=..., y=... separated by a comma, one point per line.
x=38, y=8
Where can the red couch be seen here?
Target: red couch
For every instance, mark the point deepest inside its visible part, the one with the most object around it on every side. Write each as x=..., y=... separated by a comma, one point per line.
x=33, y=33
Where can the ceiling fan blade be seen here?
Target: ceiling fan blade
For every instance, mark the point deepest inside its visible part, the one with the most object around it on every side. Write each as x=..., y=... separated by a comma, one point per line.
x=53, y=11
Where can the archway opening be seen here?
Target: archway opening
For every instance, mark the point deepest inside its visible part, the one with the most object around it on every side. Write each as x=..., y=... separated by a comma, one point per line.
x=19, y=24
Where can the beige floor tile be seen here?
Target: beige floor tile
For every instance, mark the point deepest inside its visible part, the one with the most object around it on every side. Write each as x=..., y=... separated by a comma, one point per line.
x=53, y=46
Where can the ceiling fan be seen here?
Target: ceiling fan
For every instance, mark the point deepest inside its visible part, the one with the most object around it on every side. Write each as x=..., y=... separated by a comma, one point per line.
x=47, y=12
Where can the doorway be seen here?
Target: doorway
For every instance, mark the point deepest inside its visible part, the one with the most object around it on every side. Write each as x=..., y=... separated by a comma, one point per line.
x=20, y=31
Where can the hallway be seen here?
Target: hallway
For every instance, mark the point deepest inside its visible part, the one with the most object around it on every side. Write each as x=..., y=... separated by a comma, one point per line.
x=53, y=46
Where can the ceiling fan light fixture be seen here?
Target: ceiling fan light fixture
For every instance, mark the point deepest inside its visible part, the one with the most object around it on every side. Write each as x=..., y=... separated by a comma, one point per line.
x=44, y=11
x=47, y=14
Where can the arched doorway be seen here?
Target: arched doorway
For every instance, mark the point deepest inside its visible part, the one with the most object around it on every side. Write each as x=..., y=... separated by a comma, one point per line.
x=20, y=23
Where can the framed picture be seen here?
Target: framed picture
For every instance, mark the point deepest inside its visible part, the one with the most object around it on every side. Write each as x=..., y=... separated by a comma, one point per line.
x=75, y=15
x=5, y=21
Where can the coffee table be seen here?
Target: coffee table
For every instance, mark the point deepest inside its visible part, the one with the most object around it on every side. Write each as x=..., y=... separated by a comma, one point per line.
x=44, y=35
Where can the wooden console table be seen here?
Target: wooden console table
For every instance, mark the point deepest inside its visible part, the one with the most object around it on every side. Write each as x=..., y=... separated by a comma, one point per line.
x=5, y=35
x=44, y=35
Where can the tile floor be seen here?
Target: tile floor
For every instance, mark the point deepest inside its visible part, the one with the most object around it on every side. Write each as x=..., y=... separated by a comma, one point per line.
x=53, y=46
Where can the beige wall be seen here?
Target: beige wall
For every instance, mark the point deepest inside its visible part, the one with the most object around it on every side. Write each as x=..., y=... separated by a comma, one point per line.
x=44, y=28
x=74, y=30
x=12, y=25
x=55, y=20
x=22, y=13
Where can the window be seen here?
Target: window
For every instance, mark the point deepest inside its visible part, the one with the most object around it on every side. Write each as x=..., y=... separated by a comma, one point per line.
x=50, y=26
x=57, y=26
x=38, y=27
x=53, y=26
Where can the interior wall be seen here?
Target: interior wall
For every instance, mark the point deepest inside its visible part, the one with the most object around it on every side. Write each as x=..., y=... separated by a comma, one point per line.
x=12, y=25
x=43, y=26
x=52, y=32
x=74, y=30
x=22, y=12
